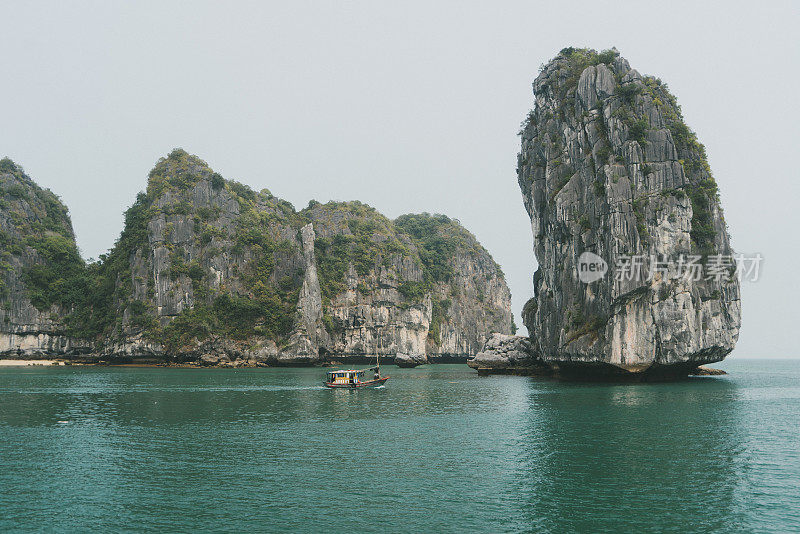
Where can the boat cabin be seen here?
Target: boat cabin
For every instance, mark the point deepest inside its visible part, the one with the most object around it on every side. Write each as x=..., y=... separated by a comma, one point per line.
x=350, y=376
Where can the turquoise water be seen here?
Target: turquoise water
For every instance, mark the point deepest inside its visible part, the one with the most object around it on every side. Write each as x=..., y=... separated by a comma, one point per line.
x=437, y=449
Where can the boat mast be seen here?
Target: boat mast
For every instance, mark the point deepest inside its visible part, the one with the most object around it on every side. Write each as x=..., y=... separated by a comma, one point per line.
x=377, y=351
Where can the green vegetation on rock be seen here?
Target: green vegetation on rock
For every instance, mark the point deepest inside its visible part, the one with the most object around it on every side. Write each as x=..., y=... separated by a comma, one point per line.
x=354, y=234
x=36, y=230
x=632, y=97
x=357, y=235
x=639, y=185
x=701, y=189
x=577, y=61
x=229, y=316
x=204, y=263
x=265, y=303
x=438, y=240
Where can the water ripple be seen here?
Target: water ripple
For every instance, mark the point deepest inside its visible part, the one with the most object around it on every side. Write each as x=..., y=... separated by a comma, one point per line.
x=437, y=449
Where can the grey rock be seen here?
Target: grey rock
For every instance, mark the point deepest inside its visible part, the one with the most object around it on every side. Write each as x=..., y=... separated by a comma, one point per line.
x=402, y=359
x=261, y=350
x=367, y=313
x=589, y=185
x=503, y=352
x=309, y=333
x=201, y=253
x=29, y=213
x=707, y=371
x=371, y=314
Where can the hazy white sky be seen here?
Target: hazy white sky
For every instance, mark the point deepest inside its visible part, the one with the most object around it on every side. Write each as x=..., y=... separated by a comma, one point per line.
x=407, y=106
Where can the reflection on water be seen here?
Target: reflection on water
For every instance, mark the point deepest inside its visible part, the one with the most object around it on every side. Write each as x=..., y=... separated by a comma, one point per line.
x=608, y=455
x=437, y=449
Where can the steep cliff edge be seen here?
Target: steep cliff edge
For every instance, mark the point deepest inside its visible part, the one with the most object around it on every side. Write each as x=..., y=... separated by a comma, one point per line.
x=420, y=285
x=608, y=167
x=207, y=270
x=41, y=272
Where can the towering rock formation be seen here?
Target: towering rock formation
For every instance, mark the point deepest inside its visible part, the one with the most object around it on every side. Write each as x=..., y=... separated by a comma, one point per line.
x=221, y=272
x=208, y=270
x=421, y=285
x=608, y=167
x=40, y=268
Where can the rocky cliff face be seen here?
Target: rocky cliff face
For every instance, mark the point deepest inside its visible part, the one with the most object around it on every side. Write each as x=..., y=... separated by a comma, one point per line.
x=420, y=285
x=208, y=270
x=38, y=268
x=608, y=167
x=218, y=272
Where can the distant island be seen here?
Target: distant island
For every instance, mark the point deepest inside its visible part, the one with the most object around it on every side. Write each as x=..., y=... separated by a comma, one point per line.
x=636, y=277
x=209, y=272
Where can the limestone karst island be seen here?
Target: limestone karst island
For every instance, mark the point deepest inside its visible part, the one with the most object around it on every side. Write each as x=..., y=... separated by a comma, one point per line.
x=406, y=267
x=608, y=166
x=209, y=272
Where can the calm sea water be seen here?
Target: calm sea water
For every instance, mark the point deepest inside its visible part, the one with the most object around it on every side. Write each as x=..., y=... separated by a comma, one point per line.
x=437, y=449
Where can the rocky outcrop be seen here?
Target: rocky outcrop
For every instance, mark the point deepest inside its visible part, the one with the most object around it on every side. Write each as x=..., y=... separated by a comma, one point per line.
x=309, y=333
x=208, y=271
x=707, y=371
x=506, y=353
x=38, y=269
x=611, y=175
x=407, y=360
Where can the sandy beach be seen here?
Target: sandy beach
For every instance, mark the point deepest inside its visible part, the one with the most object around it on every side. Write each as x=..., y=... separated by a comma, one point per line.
x=10, y=363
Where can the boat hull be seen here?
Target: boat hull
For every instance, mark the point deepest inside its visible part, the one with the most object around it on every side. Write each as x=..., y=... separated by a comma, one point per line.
x=366, y=384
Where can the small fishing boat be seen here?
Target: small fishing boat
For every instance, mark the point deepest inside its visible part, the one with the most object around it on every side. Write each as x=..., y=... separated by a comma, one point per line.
x=355, y=378
x=352, y=378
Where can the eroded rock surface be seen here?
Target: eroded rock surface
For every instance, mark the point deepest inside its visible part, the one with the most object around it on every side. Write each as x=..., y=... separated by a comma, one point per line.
x=408, y=360
x=208, y=271
x=608, y=166
x=39, y=256
x=420, y=285
x=505, y=352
